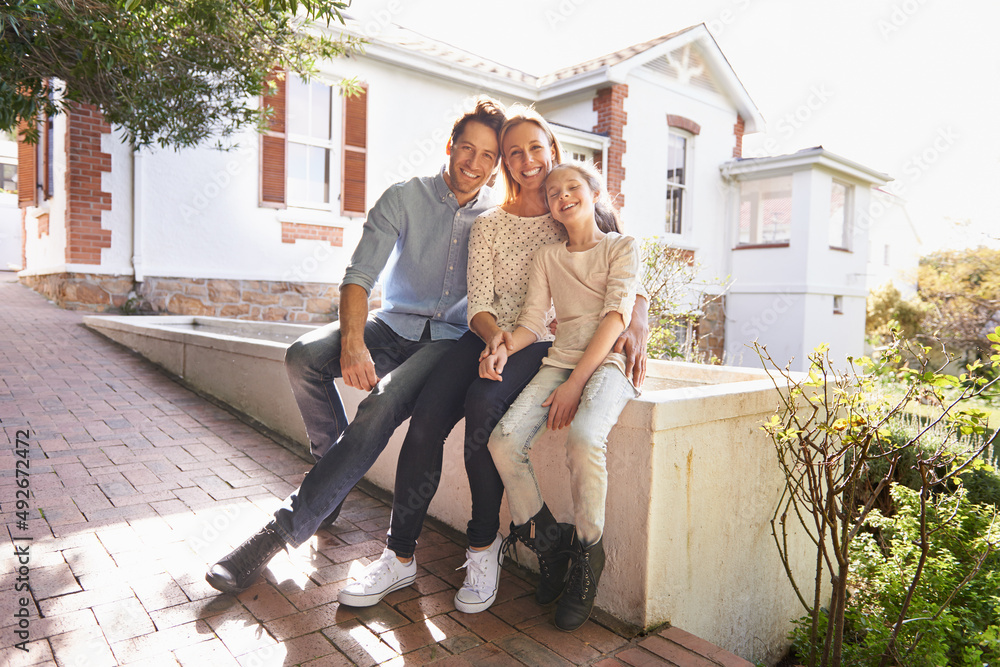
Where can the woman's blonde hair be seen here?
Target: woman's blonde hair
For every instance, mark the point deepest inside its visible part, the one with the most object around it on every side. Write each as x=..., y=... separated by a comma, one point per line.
x=605, y=214
x=517, y=114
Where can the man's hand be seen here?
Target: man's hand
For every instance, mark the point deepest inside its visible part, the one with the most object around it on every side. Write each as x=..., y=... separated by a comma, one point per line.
x=492, y=365
x=632, y=342
x=358, y=369
x=563, y=404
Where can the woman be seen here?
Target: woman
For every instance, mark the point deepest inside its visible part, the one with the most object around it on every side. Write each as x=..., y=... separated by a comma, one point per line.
x=502, y=244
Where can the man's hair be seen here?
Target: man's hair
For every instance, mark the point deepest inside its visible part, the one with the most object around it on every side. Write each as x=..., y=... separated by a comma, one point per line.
x=488, y=111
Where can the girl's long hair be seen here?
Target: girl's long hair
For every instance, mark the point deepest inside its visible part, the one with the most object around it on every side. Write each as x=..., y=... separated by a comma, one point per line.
x=605, y=214
x=517, y=114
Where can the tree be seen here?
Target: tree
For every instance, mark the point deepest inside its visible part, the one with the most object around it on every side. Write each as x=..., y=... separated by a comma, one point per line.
x=961, y=293
x=167, y=72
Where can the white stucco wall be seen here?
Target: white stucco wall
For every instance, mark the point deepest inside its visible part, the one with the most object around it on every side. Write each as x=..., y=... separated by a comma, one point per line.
x=783, y=297
x=199, y=208
x=47, y=254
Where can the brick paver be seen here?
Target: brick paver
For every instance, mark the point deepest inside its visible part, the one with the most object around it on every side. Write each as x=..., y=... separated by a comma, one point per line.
x=139, y=484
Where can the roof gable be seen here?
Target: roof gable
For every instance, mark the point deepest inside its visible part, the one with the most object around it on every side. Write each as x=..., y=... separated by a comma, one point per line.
x=690, y=55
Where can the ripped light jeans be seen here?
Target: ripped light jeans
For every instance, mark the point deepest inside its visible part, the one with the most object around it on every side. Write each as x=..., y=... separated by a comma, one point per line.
x=604, y=397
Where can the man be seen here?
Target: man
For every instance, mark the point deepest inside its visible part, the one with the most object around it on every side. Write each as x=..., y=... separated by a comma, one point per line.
x=418, y=233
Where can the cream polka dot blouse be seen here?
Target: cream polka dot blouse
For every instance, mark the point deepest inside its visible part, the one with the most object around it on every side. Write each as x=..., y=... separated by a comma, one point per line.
x=500, y=250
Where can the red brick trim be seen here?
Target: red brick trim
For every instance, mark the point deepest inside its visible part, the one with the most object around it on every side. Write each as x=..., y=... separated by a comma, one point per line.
x=609, y=103
x=43, y=224
x=85, y=200
x=738, y=129
x=682, y=123
x=293, y=231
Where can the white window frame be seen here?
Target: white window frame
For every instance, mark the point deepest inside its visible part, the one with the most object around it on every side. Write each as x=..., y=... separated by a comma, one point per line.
x=757, y=225
x=684, y=187
x=330, y=145
x=847, y=230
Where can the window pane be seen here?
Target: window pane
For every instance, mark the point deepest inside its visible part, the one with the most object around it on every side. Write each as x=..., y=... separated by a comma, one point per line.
x=766, y=211
x=297, y=114
x=308, y=174
x=838, y=215
x=676, y=152
x=309, y=108
x=675, y=199
x=320, y=110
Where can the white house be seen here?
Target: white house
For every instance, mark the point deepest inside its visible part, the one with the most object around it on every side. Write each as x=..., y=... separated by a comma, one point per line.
x=265, y=231
x=10, y=217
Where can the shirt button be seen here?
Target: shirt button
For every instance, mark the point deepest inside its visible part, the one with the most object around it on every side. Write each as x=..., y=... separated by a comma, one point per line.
x=454, y=240
x=446, y=292
x=451, y=268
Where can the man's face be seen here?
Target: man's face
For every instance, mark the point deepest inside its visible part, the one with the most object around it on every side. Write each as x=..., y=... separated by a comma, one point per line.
x=473, y=159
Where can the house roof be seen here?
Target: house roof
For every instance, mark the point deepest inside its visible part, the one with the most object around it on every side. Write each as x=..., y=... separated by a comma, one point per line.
x=763, y=167
x=407, y=48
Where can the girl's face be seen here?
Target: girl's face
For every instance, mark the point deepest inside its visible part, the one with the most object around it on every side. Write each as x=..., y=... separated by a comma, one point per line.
x=528, y=155
x=569, y=197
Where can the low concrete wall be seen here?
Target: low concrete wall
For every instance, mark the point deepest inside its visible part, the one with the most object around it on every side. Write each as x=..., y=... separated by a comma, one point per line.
x=693, y=479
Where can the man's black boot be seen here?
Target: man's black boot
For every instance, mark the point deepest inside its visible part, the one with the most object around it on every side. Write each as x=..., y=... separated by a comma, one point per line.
x=240, y=569
x=584, y=575
x=551, y=542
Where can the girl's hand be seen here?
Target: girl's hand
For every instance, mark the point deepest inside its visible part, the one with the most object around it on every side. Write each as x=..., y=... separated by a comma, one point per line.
x=500, y=339
x=563, y=404
x=492, y=365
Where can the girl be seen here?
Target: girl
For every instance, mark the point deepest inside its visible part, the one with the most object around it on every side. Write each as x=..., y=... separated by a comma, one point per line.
x=592, y=280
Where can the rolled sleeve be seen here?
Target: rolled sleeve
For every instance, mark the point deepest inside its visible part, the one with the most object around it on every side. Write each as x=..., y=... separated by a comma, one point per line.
x=538, y=299
x=623, y=279
x=378, y=238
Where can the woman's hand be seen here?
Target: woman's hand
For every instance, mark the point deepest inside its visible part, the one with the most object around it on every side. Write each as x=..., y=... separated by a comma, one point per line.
x=491, y=366
x=499, y=339
x=563, y=404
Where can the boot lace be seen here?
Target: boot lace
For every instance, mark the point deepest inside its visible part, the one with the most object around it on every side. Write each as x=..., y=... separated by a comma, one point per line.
x=581, y=574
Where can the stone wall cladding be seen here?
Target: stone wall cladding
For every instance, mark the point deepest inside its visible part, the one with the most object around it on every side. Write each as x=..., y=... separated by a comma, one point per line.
x=242, y=299
x=711, y=328
x=259, y=300
x=95, y=292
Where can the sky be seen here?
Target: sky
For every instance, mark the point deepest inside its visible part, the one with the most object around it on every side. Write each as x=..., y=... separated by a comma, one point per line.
x=906, y=87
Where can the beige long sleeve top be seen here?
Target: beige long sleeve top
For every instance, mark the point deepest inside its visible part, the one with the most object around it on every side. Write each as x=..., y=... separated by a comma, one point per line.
x=500, y=250
x=584, y=286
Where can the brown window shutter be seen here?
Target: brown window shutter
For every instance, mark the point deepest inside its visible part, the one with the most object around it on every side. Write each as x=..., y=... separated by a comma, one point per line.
x=27, y=192
x=272, y=146
x=355, y=153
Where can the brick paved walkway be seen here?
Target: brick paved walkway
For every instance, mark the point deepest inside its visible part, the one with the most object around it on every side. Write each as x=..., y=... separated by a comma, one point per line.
x=138, y=484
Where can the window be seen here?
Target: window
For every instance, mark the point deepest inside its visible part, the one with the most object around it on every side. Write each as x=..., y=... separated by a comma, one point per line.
x=299, y=146
x=766, y=211
x=841, y=208
x=8, y=177
x=309, y=118
x=34, y=165
x=677, y=145
x=838, y=305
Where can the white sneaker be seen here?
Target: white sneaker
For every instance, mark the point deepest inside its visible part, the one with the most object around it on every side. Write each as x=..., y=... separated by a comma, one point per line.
x=380, y=578
x=482, y=578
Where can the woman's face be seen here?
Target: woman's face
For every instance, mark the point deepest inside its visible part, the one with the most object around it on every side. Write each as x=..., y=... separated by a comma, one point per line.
x=528, y=155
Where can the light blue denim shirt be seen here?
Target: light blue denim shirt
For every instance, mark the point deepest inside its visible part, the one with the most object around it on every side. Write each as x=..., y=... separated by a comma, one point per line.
x=419, y=235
